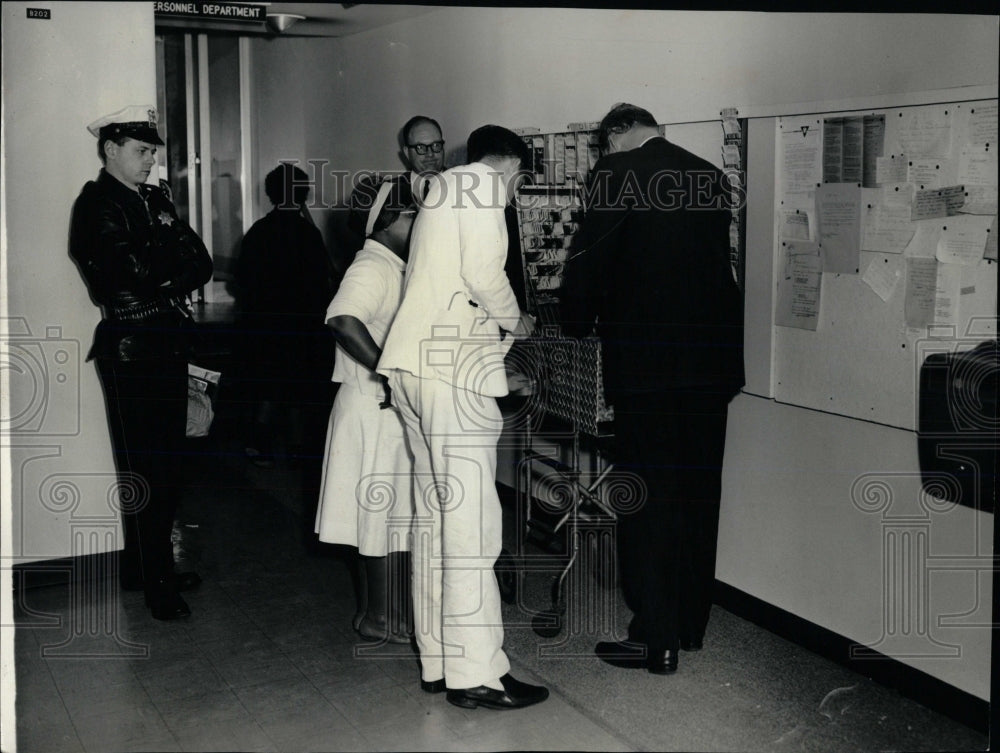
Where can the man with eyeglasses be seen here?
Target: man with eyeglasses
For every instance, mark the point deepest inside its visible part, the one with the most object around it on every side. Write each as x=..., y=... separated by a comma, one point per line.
x=422, y=152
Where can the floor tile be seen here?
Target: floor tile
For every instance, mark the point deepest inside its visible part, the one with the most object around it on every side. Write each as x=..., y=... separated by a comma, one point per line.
x=37, y=709
x=256, y=669
x=323, y=740
x=182, y=679
x=308, y=725
x=247, y=737
x=240, y=644
x=376, y=708
x=352, y=677
x=427, y=733
x=102, y=700
x=204, y=710
x=282, y=696
x=140, y=729
x=314, y=661
x=54, y=737
x=160, y=665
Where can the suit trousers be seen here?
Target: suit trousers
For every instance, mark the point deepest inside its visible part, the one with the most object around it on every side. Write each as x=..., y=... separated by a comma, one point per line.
x=674, y=441
x=147, y=414
x=457, y=530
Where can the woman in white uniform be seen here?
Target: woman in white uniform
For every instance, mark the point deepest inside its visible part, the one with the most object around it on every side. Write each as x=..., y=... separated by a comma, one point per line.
x=366, y=494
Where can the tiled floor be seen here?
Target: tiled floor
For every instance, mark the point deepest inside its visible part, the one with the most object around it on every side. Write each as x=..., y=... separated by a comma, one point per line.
x=272, y=673
x=268, y=662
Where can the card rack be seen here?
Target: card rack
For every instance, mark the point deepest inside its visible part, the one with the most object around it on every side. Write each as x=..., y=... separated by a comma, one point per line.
x=550, y=209
x=549, y=218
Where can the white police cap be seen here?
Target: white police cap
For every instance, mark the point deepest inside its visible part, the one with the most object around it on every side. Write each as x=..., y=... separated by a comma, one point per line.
x=135, y=121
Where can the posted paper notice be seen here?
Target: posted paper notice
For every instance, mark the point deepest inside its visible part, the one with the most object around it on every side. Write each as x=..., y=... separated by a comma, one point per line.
x=883, y=274
x=839, y=206
x=799, y=291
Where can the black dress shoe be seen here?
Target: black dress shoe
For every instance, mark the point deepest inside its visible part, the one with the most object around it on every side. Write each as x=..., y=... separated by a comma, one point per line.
x=628, y=655
x=433, y=686
x=691, y=644
x=515, y=695
x=165, y=603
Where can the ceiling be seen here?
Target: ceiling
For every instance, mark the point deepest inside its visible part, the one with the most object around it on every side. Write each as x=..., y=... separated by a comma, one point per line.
x=321, y=19
x=336, y=20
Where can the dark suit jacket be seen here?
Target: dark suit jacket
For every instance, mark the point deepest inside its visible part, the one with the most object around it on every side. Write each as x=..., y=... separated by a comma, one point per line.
x=653, y=270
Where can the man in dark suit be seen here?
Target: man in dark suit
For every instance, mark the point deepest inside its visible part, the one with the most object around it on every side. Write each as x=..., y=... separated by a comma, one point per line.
x=652, y=269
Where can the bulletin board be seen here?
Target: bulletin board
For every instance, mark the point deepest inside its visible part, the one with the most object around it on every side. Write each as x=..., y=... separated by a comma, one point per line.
x=886, y=248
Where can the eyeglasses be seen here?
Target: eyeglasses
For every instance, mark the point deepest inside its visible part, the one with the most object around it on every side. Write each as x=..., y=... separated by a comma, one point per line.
x=422, y=149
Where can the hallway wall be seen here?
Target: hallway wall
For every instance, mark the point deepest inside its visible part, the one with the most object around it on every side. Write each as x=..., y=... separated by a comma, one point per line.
x=59, y=74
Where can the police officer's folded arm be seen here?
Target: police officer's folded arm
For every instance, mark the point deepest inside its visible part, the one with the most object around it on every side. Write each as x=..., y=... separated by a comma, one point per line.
x=187, y=264
x=124, y=259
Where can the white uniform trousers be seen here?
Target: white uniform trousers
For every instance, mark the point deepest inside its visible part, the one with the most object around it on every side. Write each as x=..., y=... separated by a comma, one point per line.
x=457, y=530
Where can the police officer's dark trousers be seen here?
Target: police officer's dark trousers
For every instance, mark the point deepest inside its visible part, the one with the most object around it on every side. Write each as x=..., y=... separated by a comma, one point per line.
x=147, y=414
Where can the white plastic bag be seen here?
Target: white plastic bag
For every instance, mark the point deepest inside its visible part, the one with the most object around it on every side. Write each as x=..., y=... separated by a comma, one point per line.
x=202, y=386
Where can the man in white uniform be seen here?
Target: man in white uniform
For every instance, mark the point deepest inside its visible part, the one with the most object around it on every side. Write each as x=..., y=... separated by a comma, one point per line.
x=444, y=359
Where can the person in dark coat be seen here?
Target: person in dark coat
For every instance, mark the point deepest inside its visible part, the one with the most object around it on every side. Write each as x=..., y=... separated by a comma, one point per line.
x=140, y=261
x=652, y=270
x=284, y=282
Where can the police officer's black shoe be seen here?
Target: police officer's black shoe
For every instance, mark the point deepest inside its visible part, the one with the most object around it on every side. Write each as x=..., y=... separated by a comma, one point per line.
x=164, y=602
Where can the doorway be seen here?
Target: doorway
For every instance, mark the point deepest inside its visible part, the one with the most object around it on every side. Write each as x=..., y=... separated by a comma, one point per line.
x=203, y=97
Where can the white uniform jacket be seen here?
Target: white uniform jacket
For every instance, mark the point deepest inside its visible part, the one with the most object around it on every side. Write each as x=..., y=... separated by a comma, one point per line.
x=456, y=295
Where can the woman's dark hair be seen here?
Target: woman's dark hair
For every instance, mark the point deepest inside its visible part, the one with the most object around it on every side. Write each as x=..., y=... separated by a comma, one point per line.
x=287, y=186
x=363, y=199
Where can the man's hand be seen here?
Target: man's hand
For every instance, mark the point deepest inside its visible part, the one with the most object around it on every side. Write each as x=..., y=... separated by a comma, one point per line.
x=525, y=326
x=387, y=402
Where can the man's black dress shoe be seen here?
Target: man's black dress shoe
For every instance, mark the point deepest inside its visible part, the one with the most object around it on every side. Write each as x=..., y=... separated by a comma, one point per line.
x=433, y=686
x=165, y=603
x=630, y=655
x=515, y=695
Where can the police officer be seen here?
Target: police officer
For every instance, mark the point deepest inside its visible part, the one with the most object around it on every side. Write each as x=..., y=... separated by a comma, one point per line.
x=140, y=261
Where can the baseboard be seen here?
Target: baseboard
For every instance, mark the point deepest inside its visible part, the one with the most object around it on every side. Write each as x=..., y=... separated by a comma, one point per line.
x=62, y=571
x=921, y=687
